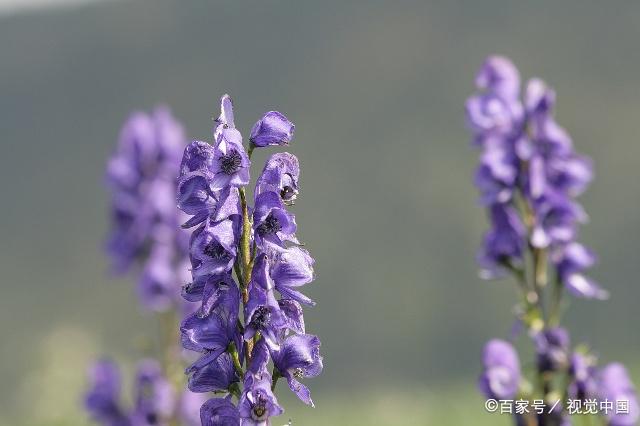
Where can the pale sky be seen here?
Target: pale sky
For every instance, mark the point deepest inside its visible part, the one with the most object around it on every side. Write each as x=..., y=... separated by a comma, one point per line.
x=13, y=6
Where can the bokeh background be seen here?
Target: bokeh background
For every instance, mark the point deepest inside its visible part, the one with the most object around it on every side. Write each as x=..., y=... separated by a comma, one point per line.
x=376, y=90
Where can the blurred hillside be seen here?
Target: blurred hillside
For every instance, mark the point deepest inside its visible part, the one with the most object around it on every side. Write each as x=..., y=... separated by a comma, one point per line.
x=376, y=90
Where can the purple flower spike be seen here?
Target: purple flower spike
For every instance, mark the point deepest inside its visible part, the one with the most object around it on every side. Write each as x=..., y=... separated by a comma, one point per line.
x=268, y=268
x=141, y=178
x=280, y=175
x=272, y=129
x=299, y=357
x=501, y=376
x=614, y=385
x=219, y=412
x=258, y=403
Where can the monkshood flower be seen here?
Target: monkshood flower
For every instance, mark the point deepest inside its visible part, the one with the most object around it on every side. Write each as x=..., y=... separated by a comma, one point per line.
x=504, y=243
x=299, y=357
x=247, y=270
x=258, y=402
x=280, y=175
x=272, y=129
x=141, y=176
x=501, y=376
x=529, y=177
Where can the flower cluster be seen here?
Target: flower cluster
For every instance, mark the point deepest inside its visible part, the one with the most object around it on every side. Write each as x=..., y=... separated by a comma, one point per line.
x=145, y=232
x=241, y=324
x=529, y=177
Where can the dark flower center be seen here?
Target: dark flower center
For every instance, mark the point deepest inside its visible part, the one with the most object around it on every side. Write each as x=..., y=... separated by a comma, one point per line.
x=260, y=408
x=152, y=418
x=230, y=163
x=287, y=193
x=261, y=317
x=215, y=250
x=271, y=225
x=298, y=373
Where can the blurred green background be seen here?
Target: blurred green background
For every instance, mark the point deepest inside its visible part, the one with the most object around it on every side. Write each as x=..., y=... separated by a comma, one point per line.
x=376, y=90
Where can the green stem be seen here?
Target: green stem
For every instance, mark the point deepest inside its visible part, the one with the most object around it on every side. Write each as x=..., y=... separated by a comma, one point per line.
x=236, y=359
x=275, y=375
x=555, y=312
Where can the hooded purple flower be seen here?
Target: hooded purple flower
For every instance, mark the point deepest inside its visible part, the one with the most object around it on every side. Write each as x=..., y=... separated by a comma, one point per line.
x=263, y=314
x=299, y=357
x=496, y=110
x=214, y=246
x=272, y=222
x=292, y=312
x=272, y=129
x=154, y=396
x=215, y=376
x=557, y=219
x=210, y=335
x=552, y=348
x=225, y=127
x=219, y=412
x=614, y=385
x=504, y=243
x=291, y=268
x=571, y=260
x=280, y=175
x=501, y=376
x=497, y=173
x=102, y=400
x=258, y=403
x=197, y=156
x=230, y=165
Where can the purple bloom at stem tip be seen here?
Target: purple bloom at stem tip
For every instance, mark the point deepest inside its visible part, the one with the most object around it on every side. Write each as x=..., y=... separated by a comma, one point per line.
x=272, y=129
